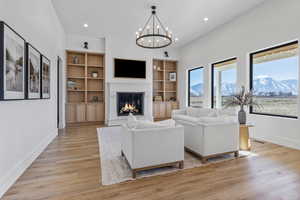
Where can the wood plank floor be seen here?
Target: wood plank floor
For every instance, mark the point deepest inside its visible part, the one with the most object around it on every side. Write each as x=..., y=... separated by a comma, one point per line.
x=69, y=169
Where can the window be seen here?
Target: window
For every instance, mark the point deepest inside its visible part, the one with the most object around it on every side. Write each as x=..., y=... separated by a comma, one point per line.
x=223, y=81
x=195, y=96
x=274, y=80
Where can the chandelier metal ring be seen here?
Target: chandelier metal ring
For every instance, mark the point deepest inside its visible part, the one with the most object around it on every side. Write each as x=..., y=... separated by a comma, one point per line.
x=154, y=35
x=139, y=41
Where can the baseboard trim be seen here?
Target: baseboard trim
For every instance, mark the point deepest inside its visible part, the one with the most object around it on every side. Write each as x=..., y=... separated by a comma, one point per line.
x=281, y=141
x=19, y=169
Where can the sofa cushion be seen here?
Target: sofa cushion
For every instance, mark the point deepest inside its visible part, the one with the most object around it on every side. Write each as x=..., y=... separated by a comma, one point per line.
x=227, y=112
x=212, y=120
x=169, y=123
x=186, y=118
x=213, y=113
x=198, y=112
x=145, y=124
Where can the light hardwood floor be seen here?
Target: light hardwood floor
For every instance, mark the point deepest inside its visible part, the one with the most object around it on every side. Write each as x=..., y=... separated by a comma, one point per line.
x=69, y=169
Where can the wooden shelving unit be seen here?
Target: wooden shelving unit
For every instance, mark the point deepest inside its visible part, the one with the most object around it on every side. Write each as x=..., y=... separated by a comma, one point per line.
x=165, y=88
x=85, y=93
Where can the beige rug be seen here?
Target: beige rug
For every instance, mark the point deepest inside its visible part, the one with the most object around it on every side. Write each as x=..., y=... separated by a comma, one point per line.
x=114, y=168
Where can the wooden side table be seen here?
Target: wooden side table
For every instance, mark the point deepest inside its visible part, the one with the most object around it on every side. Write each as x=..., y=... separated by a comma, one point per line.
x=245, y=143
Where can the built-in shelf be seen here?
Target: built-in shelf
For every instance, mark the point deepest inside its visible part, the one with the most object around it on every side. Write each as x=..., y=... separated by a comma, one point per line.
x=87, y=103
x=164, y=90
x=76, y=90
x=95, y=66
x=76, y=65
x=91, y=78
x=95, y=90
x=71, y=77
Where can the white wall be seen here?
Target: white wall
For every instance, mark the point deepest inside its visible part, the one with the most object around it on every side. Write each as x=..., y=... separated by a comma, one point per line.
x=75, y=42
x=274, y=22
x=27, y=127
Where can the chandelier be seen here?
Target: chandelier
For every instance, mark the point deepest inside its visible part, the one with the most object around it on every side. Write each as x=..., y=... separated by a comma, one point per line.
x=154, y=35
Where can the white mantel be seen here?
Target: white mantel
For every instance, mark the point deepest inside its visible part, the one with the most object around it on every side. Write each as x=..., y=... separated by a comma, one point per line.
x=115, y=87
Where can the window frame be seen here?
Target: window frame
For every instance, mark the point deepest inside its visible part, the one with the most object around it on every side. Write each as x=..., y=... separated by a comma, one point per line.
x=251, y=79
x=213, y=77
x=189, y=83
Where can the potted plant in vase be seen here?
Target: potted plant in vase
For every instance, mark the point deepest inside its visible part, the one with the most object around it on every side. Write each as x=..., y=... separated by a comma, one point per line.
x=242, y=99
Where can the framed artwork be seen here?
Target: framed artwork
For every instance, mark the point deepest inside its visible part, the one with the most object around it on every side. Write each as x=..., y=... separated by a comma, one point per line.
x=33, y=69
x=12, y=64
x=45, y=75
x=172, y=76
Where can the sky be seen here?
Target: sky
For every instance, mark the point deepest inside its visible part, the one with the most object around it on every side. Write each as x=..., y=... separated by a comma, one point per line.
x=282, y=69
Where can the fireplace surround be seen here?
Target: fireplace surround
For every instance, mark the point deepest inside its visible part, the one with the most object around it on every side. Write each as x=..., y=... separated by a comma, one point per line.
x=126, y=86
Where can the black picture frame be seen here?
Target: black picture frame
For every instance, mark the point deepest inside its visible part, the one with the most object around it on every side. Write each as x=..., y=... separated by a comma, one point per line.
x=32, y=95
x=17, y=65
x=45, y=91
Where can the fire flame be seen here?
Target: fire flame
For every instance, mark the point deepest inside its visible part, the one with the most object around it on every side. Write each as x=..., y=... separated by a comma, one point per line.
x=129, y=108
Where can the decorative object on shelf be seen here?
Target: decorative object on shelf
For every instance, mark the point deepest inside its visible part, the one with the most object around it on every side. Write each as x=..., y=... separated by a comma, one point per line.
x=95, y=99
x=12, y=64
x=158, y=98
x=172, y=76
x=86, y=45
x=71, y=85
x=45, y=78
x=75, y=60
x=94, y=74
x=33, y=73
x=242, y=99
x=154, y=67
x=166, y=54
x=154, y=35
x=173, y=99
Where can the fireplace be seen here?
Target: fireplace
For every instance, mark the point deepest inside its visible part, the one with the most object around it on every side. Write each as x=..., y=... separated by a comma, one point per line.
x=132, y=102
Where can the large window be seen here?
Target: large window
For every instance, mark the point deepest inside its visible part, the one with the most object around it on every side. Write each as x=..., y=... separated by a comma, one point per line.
x=274, y=80
x=195, y=96
x=223, y=81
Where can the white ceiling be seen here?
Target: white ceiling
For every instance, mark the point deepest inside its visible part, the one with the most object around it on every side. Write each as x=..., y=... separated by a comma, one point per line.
x=183, y=17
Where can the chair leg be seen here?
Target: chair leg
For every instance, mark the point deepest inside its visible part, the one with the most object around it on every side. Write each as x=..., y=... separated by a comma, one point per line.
x=181, y=164
x=122, y=154
x=236, y=154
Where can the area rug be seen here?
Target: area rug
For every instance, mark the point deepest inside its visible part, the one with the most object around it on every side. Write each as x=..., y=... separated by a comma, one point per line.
x=114, y=168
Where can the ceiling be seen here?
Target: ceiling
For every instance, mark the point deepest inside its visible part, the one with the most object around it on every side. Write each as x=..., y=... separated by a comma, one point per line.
x=124, y=17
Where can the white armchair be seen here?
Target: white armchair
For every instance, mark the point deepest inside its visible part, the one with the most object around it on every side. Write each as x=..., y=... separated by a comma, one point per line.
x=153, y=147
x=208, y=134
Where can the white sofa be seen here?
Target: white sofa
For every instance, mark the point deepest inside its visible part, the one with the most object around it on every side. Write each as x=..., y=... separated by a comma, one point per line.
x=209, y=132
x=153, y=147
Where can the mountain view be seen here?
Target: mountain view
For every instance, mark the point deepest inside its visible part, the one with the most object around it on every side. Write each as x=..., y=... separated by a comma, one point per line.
x=265, y=86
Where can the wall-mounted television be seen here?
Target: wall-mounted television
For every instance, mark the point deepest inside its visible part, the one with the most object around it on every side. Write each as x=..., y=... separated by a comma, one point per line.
x=130, y=68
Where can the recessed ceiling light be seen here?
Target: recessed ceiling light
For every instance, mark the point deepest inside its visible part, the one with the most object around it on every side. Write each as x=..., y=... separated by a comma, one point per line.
x=85, y=25
x=205, y=19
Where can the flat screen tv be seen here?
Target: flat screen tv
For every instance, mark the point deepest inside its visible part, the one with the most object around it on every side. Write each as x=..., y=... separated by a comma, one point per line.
x=130, y=68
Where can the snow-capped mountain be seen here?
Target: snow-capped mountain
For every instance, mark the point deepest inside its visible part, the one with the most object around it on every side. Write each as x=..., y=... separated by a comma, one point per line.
x=267, y=86
x=264, y=86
